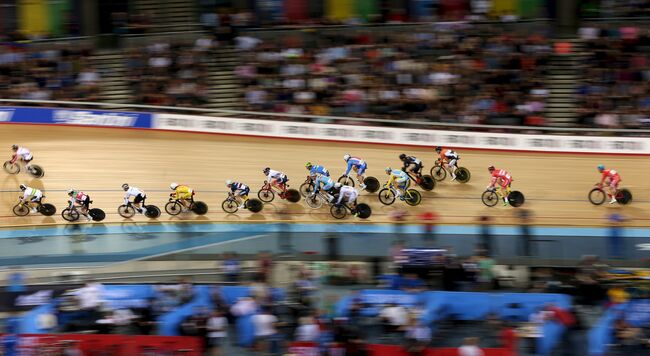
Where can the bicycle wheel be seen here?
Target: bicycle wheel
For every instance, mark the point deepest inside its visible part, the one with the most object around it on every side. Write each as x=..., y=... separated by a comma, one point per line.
x=21, y=210
x=126, y=211
x=490, y=198
x=293, y=195
x=427, y=183
x=70, y=214
x=47, y=209
x=173, y=208
x=11, y=168
x=438, y=172
x=230, y=206
x=363, y=211
x=314, y=201
x=462, y=175
x=254, y=205
x=266, y=195
x=200, y=208
x=516, y=198
x=36, y=171
x=372, y=184
x=412, y=197
x=386, y=196
x=597, y=196
x=152, y=212
x=338, y=212
x=623, y=196
x=306, y=188
x=345, y=180
x=97, y=214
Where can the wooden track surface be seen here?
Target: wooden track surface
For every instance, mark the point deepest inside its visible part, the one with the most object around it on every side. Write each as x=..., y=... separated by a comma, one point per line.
x=99, y=160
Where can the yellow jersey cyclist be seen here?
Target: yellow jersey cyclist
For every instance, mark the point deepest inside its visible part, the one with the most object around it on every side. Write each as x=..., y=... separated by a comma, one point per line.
x=401, y=180
x=182, y=193
x=30, y=195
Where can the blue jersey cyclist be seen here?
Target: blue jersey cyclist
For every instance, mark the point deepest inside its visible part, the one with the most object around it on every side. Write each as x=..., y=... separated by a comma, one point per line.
x=328, y=184
x=359, y=166
x=239, y=189
x=317, y=170
x=400, y=178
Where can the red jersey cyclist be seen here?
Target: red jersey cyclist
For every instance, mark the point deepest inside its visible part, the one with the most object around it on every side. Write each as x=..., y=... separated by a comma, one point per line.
x=611, y=178
x=504, y=179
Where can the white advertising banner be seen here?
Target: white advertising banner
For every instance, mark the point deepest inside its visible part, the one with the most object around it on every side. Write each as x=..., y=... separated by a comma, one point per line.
x=401, y=136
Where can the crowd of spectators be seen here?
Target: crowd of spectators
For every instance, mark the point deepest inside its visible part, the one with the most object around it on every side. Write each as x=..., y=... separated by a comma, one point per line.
x=465, y=74
x=58, y=72
x=170, y=74
x=616, y=93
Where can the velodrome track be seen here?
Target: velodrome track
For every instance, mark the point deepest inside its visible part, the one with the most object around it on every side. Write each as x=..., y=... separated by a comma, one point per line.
x=99, y=160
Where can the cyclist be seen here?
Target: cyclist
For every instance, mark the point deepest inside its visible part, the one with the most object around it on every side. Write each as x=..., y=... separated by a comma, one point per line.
x=138, y=197
x=183, y=194
x=359, y=166
x=21, y=153
x=349, y=193
x=31, y=195
x=611, y=178
x=411, y=163
x=276, y=178
x=451, y=158
x=81, y=200
x=399, y=177
x=317, y=169
x=328, y=184
x=504, y=179
x=238, y=189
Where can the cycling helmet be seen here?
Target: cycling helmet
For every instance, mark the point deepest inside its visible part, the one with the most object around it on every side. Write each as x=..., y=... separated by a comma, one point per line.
x=308, y=165
x=266, y=170
x=125, y=186
x=346, y=157
x=228, y=183
x=388, y=170
x=14, y=147
x=70, y=191
x=438, y=149
x=338, y=185
x=173, y=186
x=402, y=156
x=491, y=168
x=23, y=187
x=601, y=167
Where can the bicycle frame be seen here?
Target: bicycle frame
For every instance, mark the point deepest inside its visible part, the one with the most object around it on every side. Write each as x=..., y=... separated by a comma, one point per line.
x=274, y=187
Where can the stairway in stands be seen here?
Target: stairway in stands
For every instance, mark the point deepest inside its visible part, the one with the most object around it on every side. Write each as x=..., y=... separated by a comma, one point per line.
x=224, y=87
x=111, y=67
x=565, y=75
x=169, y=15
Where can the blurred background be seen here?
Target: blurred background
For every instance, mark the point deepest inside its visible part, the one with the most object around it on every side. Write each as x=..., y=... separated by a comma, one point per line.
x=507, y=66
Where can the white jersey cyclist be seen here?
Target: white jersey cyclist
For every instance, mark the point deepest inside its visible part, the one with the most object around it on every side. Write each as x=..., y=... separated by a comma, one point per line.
x=349, y=193
x=137, y=194
x=31, y=194
x=24, y=153
x=278, y=176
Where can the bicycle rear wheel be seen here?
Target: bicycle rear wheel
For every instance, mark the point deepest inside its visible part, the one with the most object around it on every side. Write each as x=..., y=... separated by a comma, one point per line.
x=463, y=175
x=47, y=209
x=412, y=197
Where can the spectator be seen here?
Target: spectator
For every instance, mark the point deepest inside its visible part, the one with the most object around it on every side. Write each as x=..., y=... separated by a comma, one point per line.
x=217, y=326
x=412, y=283
x=470, y=348
x=417, y=337
x=265, y=329
x=394, y=318
x=308, y=330
x=16, y=281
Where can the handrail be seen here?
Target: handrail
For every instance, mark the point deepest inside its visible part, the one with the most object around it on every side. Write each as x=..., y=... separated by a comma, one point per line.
x=335, y=118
